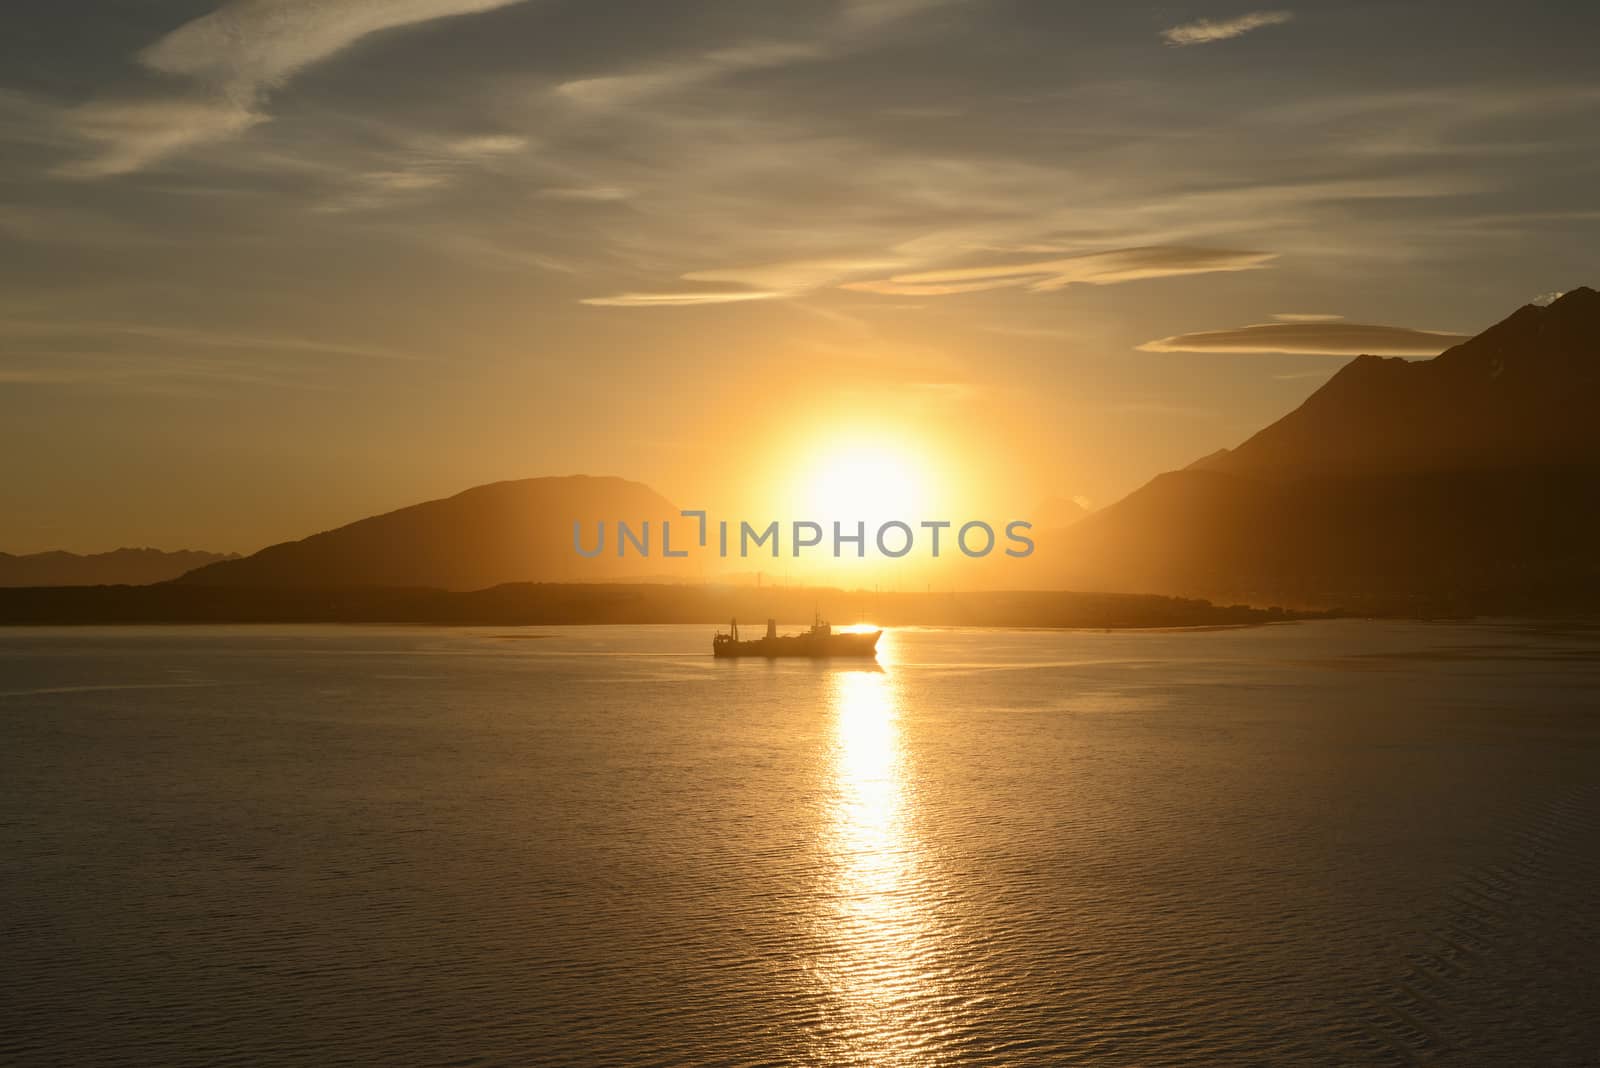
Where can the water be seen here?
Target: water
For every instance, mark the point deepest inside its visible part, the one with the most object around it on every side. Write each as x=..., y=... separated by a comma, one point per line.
x=1325, y=843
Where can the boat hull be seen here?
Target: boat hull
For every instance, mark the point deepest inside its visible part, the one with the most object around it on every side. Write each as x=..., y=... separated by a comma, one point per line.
x=814, y=646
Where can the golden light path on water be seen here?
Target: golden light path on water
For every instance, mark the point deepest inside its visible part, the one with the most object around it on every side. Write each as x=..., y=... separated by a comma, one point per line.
x=881, y=935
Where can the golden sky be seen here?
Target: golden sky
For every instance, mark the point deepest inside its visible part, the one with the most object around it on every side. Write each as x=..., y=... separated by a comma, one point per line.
x=273, y=265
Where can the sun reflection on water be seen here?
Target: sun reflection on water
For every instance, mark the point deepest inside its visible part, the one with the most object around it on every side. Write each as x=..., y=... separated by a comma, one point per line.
x=879, y=936
x=868, y=810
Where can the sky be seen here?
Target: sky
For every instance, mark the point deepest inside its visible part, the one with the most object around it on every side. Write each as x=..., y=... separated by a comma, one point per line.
x=270, y=266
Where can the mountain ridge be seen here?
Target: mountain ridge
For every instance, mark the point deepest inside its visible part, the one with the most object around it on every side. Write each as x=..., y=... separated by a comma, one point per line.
x=1519, y=392
x=517, y=530
x=126, y=566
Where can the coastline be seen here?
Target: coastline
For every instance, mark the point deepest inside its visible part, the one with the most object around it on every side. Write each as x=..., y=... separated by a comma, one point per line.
x=527, y=604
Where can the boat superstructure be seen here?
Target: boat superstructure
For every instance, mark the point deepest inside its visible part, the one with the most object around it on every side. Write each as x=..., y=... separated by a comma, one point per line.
x=818, y=642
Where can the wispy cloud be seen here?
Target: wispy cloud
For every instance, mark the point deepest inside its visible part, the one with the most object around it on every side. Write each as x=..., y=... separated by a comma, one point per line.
x=1204, y=31
x=866, y=13
x=1306, y=317
x=599, y=194
x=678, y=300
x=132, y=134
x=1312, y=339
x=178, y=360
x=424, y=166
x=796, y=276
x=154, y=372
x=193, y=337
x=249, y=46
x=233, y=58
x=765, y=282
x=856, y=21
x=618, y=89
x=1094, y=268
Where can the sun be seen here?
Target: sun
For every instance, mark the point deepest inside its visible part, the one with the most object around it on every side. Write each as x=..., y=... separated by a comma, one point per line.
x=864, y=479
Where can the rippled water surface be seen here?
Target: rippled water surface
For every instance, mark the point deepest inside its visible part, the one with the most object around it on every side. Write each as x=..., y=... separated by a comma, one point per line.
x=1328, y=843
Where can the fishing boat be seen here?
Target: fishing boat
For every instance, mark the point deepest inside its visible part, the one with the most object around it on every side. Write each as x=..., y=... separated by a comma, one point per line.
x=818, y=643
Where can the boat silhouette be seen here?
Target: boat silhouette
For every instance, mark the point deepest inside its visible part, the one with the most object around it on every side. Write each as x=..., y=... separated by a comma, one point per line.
x=818, y=643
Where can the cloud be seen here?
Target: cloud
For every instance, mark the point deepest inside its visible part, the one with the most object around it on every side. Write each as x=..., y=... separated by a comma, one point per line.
x=403, y=181
x=867, y=13
x=135, y=133
x=894, y=288
x=423, y=165
x=792, y=278
x=1312, y=339
x=183, y=336
x=677, y=300
x=1306, y=317
x=371, y=190
x=795, y=276
x=1094, y=268
x=486, y=146
x=856, y=20
x=154, y=372
x=249, y=46
x=1204, y=31
x=618, y=89
x=152, y=381
x=598, y=194
x=734, y=171
x=233, y=57
x=1544, y=300
x=170, y=359
x=766, y=282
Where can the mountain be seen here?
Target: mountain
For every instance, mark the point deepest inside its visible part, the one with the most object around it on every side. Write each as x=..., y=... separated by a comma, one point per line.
x=123, y=567
x=518, y=531
x=1056, y=513
x=1470, y=482
x=1522, y=392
